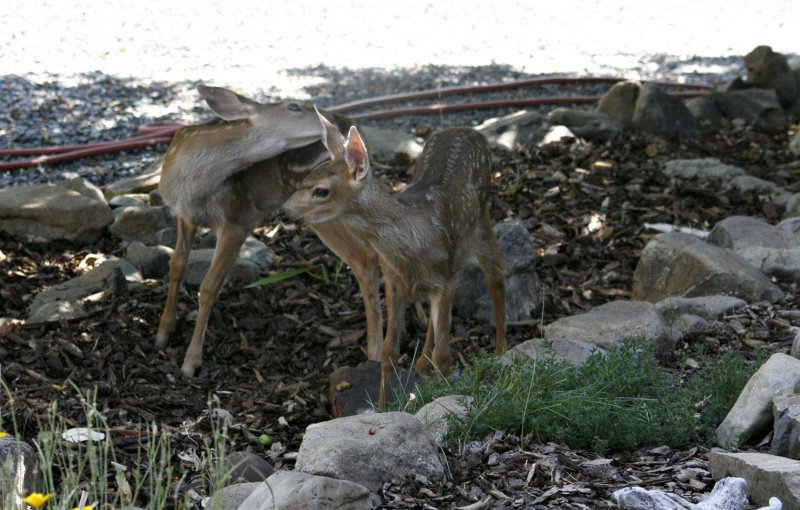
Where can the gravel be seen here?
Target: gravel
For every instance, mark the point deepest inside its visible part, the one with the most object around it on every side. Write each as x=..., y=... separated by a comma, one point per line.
x=82, y=72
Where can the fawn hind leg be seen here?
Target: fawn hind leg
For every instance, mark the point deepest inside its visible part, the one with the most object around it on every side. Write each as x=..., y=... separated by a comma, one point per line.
x=492, y=265
x=425, y=362
x=441, y=315
x=177, y=268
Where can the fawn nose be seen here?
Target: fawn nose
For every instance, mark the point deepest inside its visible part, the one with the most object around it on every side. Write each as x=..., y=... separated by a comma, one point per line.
x=283, y=216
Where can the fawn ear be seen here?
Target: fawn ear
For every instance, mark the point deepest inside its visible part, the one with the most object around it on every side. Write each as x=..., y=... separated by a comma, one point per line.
x=227, y=104
x=331, y=137
x=355, y=153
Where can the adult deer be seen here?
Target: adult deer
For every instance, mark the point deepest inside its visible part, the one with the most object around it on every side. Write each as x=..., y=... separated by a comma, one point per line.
x=229, y=177
x=423, y=235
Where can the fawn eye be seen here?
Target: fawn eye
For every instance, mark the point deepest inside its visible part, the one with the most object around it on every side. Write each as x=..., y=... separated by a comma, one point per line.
x=294, y=107
x=320, y=192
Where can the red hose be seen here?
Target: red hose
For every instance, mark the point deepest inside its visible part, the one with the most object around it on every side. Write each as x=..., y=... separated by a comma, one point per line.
x=162, y=132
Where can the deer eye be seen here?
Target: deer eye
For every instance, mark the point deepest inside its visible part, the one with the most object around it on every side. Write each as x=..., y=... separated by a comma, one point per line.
x=294, y=107
x=320, y=192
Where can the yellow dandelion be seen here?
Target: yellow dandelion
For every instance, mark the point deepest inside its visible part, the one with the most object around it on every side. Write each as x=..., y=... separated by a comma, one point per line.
x=37, y=499
x=3, y=434
x=87, y=507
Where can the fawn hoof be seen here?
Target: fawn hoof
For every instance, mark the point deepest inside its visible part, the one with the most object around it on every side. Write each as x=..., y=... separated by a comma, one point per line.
x=423, y=366
x=161, y=340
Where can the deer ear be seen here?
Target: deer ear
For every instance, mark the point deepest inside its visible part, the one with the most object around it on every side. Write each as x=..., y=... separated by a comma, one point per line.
x=331, y=137
x=355, y=153
x=227, y=104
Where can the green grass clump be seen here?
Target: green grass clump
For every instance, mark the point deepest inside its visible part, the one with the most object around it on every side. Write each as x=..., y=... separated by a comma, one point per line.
x=618, y=401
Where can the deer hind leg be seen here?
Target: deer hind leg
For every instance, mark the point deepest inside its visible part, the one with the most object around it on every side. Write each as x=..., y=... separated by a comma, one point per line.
x=395, y=311
x=493, y=273
x=363, y=261
x=177, y=267
x=229, y=241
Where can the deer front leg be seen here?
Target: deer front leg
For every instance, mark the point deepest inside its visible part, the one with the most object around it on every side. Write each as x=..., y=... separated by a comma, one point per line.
x=395, y=317
x=229, y=241
x=177, y=267
x=441, y=304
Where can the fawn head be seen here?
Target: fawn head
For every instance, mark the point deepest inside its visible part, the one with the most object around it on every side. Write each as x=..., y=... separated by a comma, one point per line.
x=274, y=126
x=324, y=193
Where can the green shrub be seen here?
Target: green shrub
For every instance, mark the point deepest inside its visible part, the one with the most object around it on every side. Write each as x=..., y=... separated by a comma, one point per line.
x=616, y=401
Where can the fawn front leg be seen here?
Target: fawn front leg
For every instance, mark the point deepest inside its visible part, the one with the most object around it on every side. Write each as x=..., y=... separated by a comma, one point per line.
x=395, y=319
x=363, y=261
x=229, y=241
x=177, y=267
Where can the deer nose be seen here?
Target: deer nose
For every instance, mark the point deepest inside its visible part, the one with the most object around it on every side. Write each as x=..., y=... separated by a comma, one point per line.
x=283, y=216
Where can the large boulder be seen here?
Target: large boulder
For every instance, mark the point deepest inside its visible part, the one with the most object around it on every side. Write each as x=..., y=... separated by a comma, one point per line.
x=370, y=449
x=770, y=70
x=768, y=476
x=73, y=210
x=607, y=324
x=523, y=290
x=750, y=418
x=677, y=264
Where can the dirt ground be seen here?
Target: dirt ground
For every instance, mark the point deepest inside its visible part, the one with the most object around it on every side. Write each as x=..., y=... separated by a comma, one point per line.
x=270, y=350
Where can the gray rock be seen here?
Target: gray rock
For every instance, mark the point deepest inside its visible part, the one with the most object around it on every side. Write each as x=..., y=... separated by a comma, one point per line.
x=146, y=181
x=660, y=113
x=786, y=425
x=141, y=223
x=574, y=352
x=55, y=311
x=247, y=467
x=738, y=232
x=619, y=102
x=750, y=418
x=19, y=470
x=152, y=261
x=767, y=475
x=437, y=416
x=232, y=496
x=594, y=126
x=125, y=201
x=519, y=128
x=770, y=70
x=772, y=250
x=728, y=494
x=794, y=145
x=677, y=264
x=292, y=490
x=748, y=184
x=258, y=253
x=242, y=272
x=705, y=112
x=703, y=167
x=370, y=449
x=387, y=143
x=758, y=107
x=107, y=278
x=72, y=210
x=707, y=307
x=607, y=324
x=523, y=290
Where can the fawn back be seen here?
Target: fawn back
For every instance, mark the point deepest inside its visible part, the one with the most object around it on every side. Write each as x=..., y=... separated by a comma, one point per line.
x=423, y=235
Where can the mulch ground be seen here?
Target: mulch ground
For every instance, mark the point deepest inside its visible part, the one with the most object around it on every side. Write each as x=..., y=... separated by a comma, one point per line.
x=271, y=350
